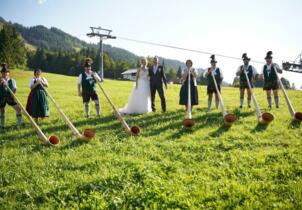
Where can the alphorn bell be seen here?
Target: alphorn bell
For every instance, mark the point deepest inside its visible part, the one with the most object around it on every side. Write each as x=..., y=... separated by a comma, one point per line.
x=263, y=118
x=229, y=119
x=52, y=140
x=295, y=115
x=188, y=123
x=134, y=130
x=88, y=133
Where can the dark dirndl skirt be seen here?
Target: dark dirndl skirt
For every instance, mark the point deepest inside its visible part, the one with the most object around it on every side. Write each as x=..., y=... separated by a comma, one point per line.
x=37, y=103
x=183, y=100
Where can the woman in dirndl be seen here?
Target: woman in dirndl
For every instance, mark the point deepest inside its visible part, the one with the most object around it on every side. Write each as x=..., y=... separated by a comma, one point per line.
x=37, y=102
x=193, y=86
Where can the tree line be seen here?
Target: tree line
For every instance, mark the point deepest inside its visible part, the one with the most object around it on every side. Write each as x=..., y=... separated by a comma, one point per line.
x=70, y=62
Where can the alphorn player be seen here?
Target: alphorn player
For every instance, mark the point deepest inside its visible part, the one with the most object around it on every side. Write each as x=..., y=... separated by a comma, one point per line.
x=271, y=79
x=251, y=74
x=5, y=96
x=37, y=102
x=211, y=85
x=87, y=88
x=193, y=86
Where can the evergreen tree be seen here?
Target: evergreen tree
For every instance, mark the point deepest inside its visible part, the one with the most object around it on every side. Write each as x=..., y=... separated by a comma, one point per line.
x=179, y=72
x=12, y=47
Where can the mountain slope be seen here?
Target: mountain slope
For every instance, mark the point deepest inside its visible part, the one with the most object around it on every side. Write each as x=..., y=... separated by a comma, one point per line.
x=54, y=39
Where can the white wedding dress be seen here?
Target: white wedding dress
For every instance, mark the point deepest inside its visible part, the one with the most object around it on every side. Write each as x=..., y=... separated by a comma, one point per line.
x=139, y=101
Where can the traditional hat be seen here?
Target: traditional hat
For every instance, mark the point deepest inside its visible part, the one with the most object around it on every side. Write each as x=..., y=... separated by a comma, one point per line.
x=88, y=62
x=4, y=68
x=269, y=55
x=244, y=57
x=213, y=59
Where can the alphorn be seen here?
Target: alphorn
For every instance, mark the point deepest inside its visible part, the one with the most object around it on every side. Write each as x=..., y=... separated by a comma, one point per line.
x=134, y=130
x=229, y=119
x=188, y=122
x=263, y=118
x=52, y=140
x=295, y=115
x=88, y=133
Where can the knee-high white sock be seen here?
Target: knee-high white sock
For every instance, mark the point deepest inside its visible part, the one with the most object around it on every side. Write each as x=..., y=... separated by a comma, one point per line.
x=19, y=119
x=217, y=103
x=241, y=101
x=87, y=110
x=269, y=100
x=276, y=101
x=97, y=108
x=209, y=104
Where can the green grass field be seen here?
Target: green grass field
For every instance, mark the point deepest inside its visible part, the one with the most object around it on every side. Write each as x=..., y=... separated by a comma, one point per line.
x=246, y=166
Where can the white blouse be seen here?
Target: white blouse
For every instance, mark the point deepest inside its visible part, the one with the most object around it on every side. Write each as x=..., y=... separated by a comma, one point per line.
x=32, y=81
x=253, y=69
x=186, y=71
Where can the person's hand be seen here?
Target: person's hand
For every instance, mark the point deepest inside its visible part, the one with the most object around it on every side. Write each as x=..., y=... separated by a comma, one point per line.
x=80, y=93
x=166, y=87
x=4, y=82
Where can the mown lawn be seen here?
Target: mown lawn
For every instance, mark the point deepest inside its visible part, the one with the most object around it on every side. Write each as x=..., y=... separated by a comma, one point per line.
x=246, y=166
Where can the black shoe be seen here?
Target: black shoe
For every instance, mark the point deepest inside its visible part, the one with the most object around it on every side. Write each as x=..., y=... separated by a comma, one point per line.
x=277, y=107
x=269, y=107
x=249, y=106
x=240, y=107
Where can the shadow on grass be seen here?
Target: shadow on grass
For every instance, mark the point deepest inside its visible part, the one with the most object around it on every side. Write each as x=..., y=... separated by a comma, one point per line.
x=259, y=128
x=239, y=113
x=222, y=129
x=294, y=124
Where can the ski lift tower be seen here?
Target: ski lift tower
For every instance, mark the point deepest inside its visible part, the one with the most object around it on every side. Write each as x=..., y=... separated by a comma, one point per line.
x=103, y=34
x=294, y=66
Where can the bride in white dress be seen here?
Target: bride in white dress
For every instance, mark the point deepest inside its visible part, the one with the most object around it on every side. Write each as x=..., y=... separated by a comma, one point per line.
x=139, y=101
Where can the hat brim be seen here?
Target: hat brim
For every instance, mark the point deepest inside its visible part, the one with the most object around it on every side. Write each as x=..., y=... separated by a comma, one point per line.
x=246, y=59
x=268, y=57
x=213, y=61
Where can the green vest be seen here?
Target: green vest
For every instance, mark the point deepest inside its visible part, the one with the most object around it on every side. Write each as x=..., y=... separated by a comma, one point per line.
x=272, y=77
x=88, y=85
x=4, y=92
x=217, y=78
x=249, y=75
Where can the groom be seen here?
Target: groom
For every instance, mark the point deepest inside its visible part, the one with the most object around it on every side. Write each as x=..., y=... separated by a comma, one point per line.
x=157, y=77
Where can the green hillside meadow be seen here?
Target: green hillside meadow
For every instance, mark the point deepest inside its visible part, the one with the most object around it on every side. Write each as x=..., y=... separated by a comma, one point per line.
x=246, y=166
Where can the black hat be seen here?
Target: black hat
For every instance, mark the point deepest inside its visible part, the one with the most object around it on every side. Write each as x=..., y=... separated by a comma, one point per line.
x=88, y=62
x=269, y=55
x=244, y=57
x=213, y=60
x=4, y=68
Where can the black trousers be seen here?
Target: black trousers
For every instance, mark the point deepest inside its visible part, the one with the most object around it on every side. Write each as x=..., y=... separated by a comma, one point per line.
x=160, y=91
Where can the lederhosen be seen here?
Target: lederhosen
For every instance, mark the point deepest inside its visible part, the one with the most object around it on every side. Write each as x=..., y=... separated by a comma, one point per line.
x=5, y=96
x=211, y=85
x=243, y=81
x=270, y=80
x=88, y=88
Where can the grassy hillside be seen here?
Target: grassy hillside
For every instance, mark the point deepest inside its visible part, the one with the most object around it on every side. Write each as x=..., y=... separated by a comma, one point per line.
x=246, y=166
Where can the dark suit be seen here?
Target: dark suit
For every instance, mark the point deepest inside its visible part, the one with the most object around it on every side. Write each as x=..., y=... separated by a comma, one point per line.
x=156, y=84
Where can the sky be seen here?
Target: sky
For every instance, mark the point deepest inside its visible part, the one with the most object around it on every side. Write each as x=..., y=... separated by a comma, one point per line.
x=230, y=27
